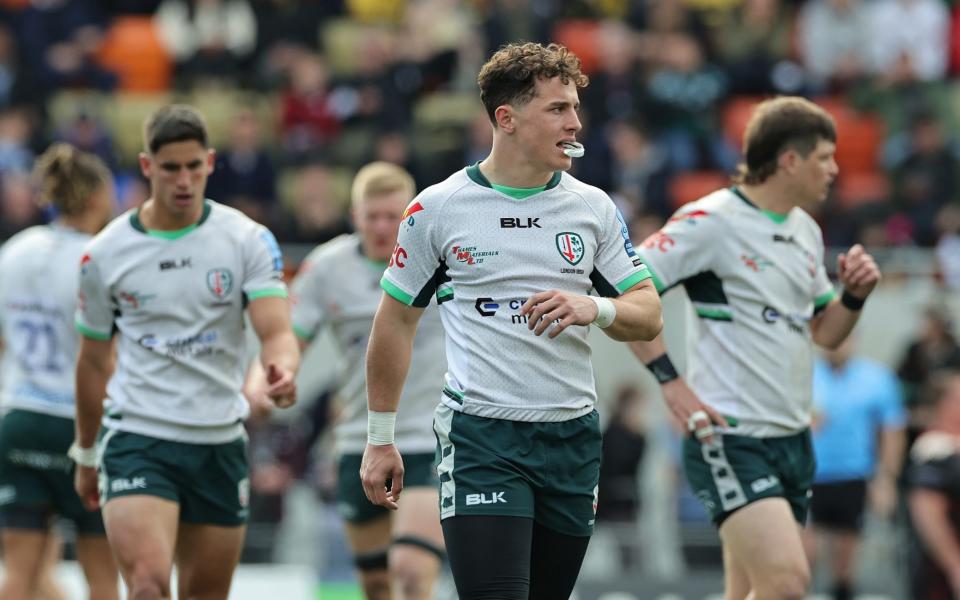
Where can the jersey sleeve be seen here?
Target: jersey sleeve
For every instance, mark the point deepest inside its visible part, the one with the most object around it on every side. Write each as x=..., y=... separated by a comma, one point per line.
x=263, y=266
x=95, y=305
x=309, y=313
x=682, y=248
x=617, y=267
x=416, y=270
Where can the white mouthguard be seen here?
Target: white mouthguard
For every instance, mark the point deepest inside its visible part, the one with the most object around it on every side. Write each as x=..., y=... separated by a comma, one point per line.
x=573, y=149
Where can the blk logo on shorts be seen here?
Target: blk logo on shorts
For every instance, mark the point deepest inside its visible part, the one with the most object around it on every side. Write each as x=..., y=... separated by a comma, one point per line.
x=126, y=485
x=486, y=498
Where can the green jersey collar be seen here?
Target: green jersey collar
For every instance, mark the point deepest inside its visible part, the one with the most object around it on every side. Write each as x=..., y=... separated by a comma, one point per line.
x=773, y=216
x=473, y=172
x=169, y=235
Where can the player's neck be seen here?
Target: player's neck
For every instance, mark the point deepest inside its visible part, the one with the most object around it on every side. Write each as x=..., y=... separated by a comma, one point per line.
x=510, y=169
x=768, y=196
x=153, y=217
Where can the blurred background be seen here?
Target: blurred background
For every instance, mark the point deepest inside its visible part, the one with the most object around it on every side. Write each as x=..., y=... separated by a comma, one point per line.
x=299, y=94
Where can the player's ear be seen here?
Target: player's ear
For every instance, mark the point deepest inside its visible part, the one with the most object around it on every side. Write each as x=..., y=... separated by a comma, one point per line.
x=787, y=159
x=504, y=117
x=146, y=164
x=211, y=160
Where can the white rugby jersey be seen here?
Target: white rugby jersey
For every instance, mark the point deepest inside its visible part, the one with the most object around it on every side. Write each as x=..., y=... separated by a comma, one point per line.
x=176, y=300
x=755, y=279
x=482, y=253
x=338, y=286
x=38, y=296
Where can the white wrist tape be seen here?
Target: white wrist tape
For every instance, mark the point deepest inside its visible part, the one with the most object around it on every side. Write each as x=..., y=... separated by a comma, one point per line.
x=85, y=457
x=380, y=427
x=606, y=312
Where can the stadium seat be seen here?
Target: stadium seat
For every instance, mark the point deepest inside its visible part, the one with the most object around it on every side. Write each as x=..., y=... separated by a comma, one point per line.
x=580, y=36
x=692, y=185
x=856, y=188
x=125, y=114
x=133, y=50
x=734, y=116
x=859, y=136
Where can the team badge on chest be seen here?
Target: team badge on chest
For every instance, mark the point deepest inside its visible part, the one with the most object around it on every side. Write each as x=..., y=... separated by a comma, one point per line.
x=570, y=246
x=220, y=282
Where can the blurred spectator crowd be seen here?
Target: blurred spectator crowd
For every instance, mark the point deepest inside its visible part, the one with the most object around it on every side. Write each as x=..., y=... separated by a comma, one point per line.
x=299, y=94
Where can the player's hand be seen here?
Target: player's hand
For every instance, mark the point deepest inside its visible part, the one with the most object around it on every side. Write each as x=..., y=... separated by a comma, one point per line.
x=281, y=386
x=379, y=465
x=564, y=308
x=85, y=483
x=857, y=271
x=690, y=415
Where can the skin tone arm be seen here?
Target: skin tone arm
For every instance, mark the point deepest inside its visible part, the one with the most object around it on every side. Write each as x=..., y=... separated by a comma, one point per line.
x=929, y=510
x=388, y=360
x=678, y=396
x=883, y=488
x=94, y=367
x=859, y=274
x=638, y=312
x=279, y=348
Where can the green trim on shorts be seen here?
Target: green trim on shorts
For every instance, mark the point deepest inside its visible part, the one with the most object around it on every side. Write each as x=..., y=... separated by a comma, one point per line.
x=737, y=470
x=545, y=471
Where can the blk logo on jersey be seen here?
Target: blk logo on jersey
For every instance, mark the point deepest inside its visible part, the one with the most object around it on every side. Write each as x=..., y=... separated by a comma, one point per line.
x=519, y=223
x=182, y=263
x=220, y=282
x=570, y=246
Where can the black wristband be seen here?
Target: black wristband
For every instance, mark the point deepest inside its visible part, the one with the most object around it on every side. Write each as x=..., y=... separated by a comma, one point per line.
x=850, y=301
x=663, y=369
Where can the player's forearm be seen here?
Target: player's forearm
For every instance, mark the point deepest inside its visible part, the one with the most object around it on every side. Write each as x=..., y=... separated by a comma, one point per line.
x=91, y=382
x=834, y=324
x=388, y=360
x=929, y=512
x=892, y=445
x=638, y=316
x=648, y=351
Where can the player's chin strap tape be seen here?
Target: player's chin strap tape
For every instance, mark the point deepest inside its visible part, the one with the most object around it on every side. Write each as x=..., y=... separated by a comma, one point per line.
x=371, y=561
x=409, y=540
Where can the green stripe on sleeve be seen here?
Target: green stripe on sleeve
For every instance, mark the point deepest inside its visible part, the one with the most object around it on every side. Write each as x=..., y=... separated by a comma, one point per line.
x=634, y=279
x=395, y=292
x=91, y=333
x=302, y=333
x=268, y=293
x=824, y=299
x=716, y=314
